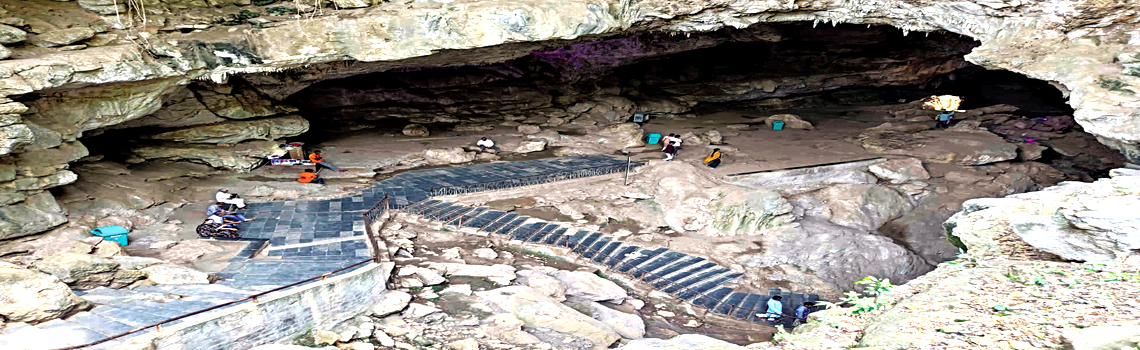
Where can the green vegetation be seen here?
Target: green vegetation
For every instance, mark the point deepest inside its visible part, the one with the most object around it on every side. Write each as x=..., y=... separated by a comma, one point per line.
x=874, y=288
x=534, y=253
x=439, y=287
x=263, y=2
x=780, y=335
x=601, y=274
x=1113, y=84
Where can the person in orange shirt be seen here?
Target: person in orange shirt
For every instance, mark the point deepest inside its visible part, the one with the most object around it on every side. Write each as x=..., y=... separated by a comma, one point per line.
x=317, y=159
x=310, y=177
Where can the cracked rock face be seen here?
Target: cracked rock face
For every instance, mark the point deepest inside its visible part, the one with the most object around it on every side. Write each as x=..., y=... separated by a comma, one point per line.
x=209, y=81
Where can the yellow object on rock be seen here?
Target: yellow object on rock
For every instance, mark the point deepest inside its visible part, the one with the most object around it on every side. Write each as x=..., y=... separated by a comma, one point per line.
x=942, y=103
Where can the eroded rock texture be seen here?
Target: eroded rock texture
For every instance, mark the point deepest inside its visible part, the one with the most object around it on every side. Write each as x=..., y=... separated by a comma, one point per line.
x=483, y=61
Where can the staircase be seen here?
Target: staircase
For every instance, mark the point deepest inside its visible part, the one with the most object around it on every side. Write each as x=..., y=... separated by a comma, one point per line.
x=690, y=278
x=117, y=311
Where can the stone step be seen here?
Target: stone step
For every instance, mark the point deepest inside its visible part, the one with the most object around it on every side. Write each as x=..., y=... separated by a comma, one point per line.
x=66, y=333
x=512, y=225
x=639, y=257
x=527, y=230
x=658, y=262
x=486, y=217
x=596, y=247
x=467, y=217
x=542, y=234
x=500, y=222
x=732, y=301
x=585, y=244
x=606, y=251
x=100, y=324
x=555, y=236
x=576, y=239
x=448, y=217
x=713, y=297
x=695, y=279
x=620, y=254
x=683, y=261
x=682, y=274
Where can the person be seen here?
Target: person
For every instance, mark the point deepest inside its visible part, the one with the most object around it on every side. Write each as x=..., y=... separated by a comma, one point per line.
x=669, y=149
x=484, y=144
x=208, y=229
x=222, y=222
x=676, y=143
x=802, y=312
x=775, y=309
x=308, y=176
x=317, y=159
x=943, y=120
x=224, y=196
x=713, y=160
x=216, y=210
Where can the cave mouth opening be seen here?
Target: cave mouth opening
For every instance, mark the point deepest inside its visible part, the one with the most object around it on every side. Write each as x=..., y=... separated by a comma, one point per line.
x=764, y=67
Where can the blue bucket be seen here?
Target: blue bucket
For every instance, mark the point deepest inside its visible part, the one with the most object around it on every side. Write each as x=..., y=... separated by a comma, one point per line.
x=777, y=125
x=113, y=233
x=652, y=138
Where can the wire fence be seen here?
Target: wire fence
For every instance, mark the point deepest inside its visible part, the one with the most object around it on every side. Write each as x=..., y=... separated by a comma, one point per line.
x=530, y=180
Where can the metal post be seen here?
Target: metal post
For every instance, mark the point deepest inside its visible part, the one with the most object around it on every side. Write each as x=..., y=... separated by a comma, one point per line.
x=627, y=163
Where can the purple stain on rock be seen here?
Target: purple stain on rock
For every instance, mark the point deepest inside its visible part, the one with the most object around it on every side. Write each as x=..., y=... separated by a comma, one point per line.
x=586, y=57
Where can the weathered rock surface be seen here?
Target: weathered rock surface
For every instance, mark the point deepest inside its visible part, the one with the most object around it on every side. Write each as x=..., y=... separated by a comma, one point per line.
x=35, y=214
x=416, y=130
x=62, y=37
x=684, y=341
x=242, y=157
x=543, y=283
x=623, y=135
x=1117, y=335
x=392, y=302
x=530, y=146
x=900, y=170
x=81, y=271
x=791, y=121
x=1074, y=220
x=501, y=274
x=238, y=131
x=10, y=34
x=31, y=296
x=455, y=155
x=865, y=207
x=628, y=326
x=589, y=286
x=537, y=310
x=175, y=274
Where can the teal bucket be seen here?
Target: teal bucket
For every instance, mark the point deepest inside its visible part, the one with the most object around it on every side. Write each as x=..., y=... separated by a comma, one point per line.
x=653, y=138
x=113, y=233
x=777, y=125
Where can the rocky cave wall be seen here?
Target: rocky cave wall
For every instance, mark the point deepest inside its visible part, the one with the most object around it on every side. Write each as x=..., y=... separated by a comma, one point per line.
x=80, y=69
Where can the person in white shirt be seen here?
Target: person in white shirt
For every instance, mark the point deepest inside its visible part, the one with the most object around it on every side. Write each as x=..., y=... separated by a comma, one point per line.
x=775, y=309
x=676, y=143
x=224, y=196
x=484, y=144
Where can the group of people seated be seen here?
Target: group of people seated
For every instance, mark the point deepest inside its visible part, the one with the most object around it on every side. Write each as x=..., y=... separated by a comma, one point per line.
x=223, y=215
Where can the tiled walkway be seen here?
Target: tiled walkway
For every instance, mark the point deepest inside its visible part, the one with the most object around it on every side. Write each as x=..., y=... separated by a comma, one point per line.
x=309, y=238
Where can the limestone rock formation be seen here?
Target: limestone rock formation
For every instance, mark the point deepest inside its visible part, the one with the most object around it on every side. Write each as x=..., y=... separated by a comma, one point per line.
x=684, y=341
x=864, y=207
x=1074, y=220
x=791, y=121
x=589, y=286
x=448, y=156
x=62, y=37
x=623, y=135
x=537, y=310
x=81, y=271
x=531, y=146
x=238, y=131
x=901, y=170
x=543, y=283
x=9, y=34
x=628, y=326
x=416, y=130
x=36, y=213
x=33, y=297
x=175, y=274
x=244, y=156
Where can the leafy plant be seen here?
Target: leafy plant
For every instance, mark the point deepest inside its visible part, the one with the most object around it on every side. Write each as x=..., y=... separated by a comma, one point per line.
x=780, y=335
x=1113, y=84
x=874, y=288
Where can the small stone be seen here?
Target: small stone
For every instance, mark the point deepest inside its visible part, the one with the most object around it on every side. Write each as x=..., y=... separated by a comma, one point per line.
x=429, y=277
x=451, y=254
x=391, y=302
x=529, y=129
x=417, y=310
x=664, y=313
x=361, y=346
x=485, y=253
x=323, y=337
x=73, y=47
x=62, y=37
x=637, y=304
x=692, y=324
x=383, y=338
x=10, y=34
x=1020, y=345
x=462, y=289
x=4, y=52
x=12, y=21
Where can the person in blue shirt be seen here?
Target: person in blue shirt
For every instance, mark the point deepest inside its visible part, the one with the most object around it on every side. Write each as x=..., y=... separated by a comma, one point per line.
x=943, y=120
x=802, y=312
x=216, y=210
x=775, y=309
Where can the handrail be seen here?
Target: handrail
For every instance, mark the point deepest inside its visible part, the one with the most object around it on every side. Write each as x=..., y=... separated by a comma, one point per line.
x=254, y=297
x=807, y=166
x=529, y=180
x=370, y=217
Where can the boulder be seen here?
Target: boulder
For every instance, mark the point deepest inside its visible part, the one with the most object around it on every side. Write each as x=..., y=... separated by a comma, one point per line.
x=351, y=4
x=589, y=286
x=529, y=146
x=80, y=271
x=628, y=326
x=104, y=7
x=791, y=121
x=684, y=341
x=175, y=274
x=900, y=170
x=529, y=129
x=33, y=297
x=864, y=207
x=485, y=253
x=540, y=311
x=759, y=210
x=5, y=53
x=501, y=274
x=1030, y=151
x=37, y=213
x=391, y=302
x=416, y=130
x=1074, y=220
x=239, y=102
x=712, y=137
x=10, y=34
x=543, y=283
x=623, y=135
x=429, y=277
x=441, y=156
x=238, y=130
x=62, y=37
x=465, y=344
x=417, y=310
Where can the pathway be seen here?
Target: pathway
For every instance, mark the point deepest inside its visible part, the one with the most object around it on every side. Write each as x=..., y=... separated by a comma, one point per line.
x=691, y=278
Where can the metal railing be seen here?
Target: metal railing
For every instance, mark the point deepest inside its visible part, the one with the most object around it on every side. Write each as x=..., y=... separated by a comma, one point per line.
x=529, y=180
x=158, y=325
x=380, y=251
